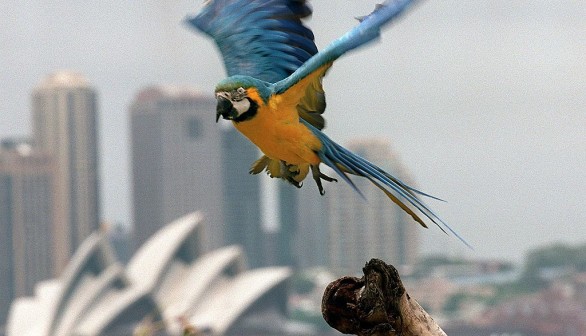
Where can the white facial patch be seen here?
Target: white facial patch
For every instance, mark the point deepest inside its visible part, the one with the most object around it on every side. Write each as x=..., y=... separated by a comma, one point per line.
x=241, y=106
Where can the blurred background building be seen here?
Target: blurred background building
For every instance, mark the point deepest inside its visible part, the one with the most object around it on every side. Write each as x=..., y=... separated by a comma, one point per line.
x=64, y=115
x=182, y=161
x=241, y=194
x=370, y=227
x=175, y=161
x=26, y=220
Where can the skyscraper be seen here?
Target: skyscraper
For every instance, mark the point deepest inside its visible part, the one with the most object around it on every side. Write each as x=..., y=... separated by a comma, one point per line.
x=242, y=192
x=311, y=236
x=282, y=240
x=373, y=228
x=64, y=110
x=26, y=221
x=183, y=161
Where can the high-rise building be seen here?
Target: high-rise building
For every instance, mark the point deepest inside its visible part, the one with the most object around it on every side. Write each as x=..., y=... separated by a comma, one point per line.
x=282, y=240
x=182, y=161
x=362, y=229
x=26, y=221
x=64, y=110
x=242, y=192
x=311, y=237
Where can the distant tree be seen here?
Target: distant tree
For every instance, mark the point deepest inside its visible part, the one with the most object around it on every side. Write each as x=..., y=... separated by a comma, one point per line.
x=426, y=266
x=551, y=257
x=581, y=258
x=454, y=302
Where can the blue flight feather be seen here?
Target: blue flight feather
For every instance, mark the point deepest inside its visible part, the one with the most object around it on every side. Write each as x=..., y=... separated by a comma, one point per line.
x=264, y=39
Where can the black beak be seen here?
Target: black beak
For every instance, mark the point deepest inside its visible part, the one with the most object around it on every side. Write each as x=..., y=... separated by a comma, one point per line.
x=223, y=108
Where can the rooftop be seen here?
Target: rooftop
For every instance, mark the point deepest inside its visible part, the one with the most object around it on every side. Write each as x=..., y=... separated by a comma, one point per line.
x=64, y=79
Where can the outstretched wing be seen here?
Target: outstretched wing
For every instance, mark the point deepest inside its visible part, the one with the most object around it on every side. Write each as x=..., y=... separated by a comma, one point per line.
x=366, y=31
x=264, y=39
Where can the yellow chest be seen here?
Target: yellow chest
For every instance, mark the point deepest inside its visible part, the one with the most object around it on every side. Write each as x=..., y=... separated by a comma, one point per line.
x=276, y=130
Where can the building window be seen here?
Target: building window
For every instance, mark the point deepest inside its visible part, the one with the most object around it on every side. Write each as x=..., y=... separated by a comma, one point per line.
x=193, y=127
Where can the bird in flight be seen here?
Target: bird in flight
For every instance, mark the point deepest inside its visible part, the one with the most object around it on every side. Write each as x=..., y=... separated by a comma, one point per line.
x=274, y=96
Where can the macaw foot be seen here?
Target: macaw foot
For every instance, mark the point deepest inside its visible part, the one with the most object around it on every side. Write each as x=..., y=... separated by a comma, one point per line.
x=293, y=174
x=318, y=176
x=293, y=182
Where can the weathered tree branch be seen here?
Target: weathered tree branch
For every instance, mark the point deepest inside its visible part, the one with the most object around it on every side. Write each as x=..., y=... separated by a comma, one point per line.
x=375, y=305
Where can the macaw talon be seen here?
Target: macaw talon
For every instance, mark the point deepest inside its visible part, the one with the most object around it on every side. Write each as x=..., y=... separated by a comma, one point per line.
x=295, y=183
x=318, y=176
x=327, y=178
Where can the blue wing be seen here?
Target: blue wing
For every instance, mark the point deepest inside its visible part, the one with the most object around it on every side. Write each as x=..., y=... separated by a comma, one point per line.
x=367, y=31
x=264, y=39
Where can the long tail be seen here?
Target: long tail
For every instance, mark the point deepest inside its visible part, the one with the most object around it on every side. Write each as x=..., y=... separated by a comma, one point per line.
x=344, y=162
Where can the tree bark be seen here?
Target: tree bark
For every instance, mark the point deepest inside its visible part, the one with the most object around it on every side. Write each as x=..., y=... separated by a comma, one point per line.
x=375, y=305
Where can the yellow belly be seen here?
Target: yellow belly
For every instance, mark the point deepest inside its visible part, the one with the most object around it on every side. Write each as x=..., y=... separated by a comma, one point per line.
x=276, y=130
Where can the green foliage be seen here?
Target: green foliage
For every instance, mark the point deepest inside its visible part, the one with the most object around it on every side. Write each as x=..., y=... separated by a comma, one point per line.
x=427, y=264
x=511, y=290
x=554, y=256
x=550, y=256
x=433, y=261
x=580, y=258
x=452, y=305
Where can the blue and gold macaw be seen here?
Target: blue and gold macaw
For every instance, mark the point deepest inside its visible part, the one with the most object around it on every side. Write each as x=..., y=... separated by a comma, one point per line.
x=274, y=93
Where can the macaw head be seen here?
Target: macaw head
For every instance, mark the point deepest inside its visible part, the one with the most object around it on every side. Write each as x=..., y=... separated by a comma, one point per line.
x=239, y=97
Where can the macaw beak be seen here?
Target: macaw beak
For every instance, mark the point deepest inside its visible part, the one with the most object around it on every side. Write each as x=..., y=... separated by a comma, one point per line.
x=223, y=108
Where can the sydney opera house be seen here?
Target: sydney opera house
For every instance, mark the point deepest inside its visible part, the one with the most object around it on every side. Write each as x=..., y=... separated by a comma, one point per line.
x=167, y=285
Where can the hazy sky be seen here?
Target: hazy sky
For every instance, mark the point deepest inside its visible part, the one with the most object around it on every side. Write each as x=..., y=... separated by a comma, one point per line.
x=484, y=101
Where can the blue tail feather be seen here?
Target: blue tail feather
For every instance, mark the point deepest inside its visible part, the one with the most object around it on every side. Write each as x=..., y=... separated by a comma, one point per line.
x=343, y=161
x=326, y=159
x=365, y=169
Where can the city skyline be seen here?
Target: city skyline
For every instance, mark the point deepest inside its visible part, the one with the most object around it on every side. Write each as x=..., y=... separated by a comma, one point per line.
x=481, y=101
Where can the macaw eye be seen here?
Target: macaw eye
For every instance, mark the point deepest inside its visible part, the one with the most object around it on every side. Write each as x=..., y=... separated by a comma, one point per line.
x=239, y=94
